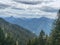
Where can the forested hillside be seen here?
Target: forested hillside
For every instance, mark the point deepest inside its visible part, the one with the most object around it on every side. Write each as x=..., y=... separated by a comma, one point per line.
x=18, y=33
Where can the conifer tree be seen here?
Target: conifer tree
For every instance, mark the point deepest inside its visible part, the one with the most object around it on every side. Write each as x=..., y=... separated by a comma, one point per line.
x=47, y=40
x=29, y=42
x=42, y=38
x=35, y=41
x=1, y=36
x=55, y=35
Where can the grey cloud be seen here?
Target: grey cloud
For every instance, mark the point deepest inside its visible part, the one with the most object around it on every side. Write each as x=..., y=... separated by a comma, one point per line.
x=17, y=8
x=32, y=2
x=49, y=9
x=3, y=6
x=27, y=2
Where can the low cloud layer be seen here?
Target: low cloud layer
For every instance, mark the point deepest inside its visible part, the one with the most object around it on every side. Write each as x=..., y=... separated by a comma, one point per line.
x=29, y=8
x=3, y=6
x=28, y=2
x=49, y=9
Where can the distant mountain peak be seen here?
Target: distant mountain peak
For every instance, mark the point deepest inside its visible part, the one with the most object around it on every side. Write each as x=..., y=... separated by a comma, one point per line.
x=32, y=24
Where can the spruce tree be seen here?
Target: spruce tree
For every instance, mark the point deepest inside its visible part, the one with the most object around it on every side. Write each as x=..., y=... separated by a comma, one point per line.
x=55, y=35
x=42, y=38
x=35, y=41
x=47, y=40
x=1, y=36
x=29, y=42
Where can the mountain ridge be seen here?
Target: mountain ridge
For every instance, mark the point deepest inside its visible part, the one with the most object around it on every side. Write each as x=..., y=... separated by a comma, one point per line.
x=33, y=24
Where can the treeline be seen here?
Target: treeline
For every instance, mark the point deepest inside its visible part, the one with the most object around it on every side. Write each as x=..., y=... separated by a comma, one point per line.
x=41, y=40
x=52, y=39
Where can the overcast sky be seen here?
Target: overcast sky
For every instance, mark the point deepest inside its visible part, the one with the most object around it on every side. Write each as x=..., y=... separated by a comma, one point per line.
x=29, y=8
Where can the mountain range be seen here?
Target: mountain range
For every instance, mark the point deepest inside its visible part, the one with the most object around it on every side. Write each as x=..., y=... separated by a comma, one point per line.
x=19, y=33
x=34, y=25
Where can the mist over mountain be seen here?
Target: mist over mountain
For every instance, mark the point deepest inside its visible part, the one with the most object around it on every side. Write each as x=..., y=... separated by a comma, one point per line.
x=35, y=25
